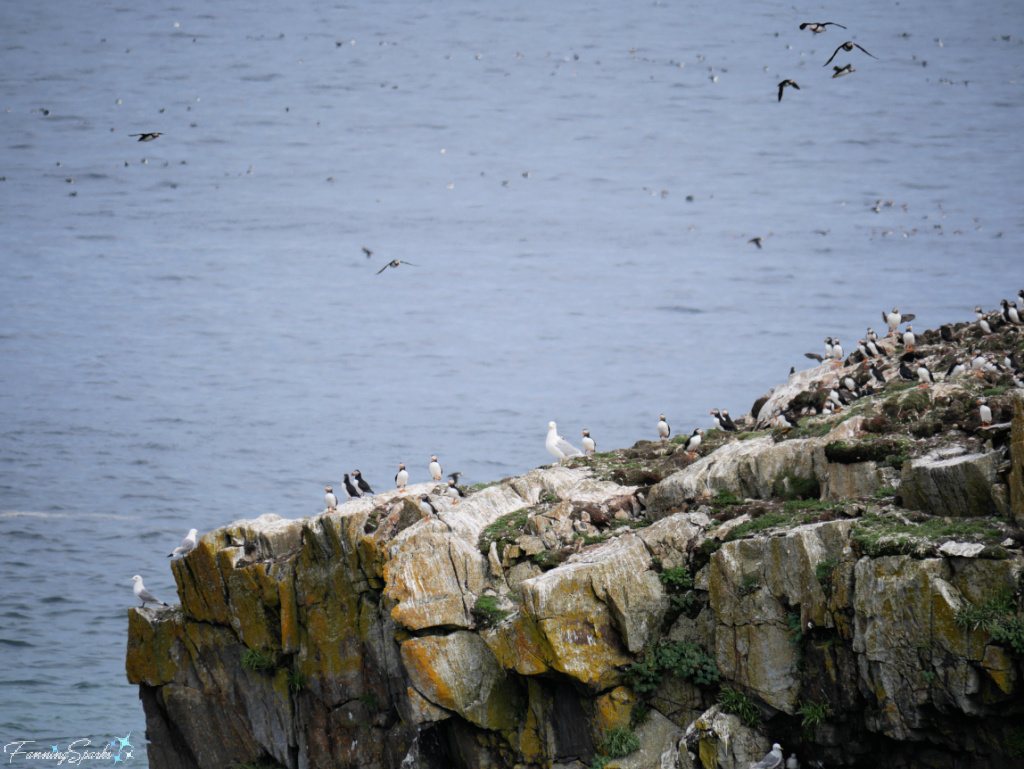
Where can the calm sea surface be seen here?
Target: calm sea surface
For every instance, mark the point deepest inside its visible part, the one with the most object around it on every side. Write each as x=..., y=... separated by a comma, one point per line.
x=190, y=332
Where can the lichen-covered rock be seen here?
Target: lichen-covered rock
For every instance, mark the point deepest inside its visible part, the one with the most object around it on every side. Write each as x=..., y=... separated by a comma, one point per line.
x=1017, y=460
x=718, y=740
x=960, y=486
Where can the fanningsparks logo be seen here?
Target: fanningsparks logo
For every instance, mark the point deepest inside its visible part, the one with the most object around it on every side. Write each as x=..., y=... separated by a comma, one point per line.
x=118, y=750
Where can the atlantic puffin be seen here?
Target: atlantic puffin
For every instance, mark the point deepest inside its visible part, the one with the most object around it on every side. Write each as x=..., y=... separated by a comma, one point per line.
x=849, y=45
x=909, y=339
x=946, y=332
x=840, y=71
x=693, y=442
x=1010, y=312
x=394, y=263
x=331, y=499
x=350, y=488
x=817, y=27
x=871, y=335
x=782, y=87
x=430, y=511
x=984, y=412
x=435, y=468
x=727, y=422
x=837, y=352
x=454, y=492
x=955, y=369
x=894, y=319
x=362, y=485
x=716, y=417
x=147, y=137
x=924, y=375
x=589, y=444
x=906, y=374
x=982, y=321
x=401, y=477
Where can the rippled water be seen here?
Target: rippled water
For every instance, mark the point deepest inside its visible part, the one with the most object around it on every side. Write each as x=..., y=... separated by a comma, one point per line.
x=190, y=332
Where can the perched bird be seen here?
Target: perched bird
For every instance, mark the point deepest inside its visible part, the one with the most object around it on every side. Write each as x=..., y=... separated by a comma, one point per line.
x=693, y=442
x=985, y=412
x=756, y=241
x=727, y=422
x=557, y=446
x=430, y=511
x=909, y=338
x=773, y=760
x=894, y=319
x=187, y=545
x=946, y=332
x=871, y=335
x=455, y=476
x=394, y=263
x=978, y=363
x=835, y=399
x=435, y=468
x=848, y=46
x=664, y=431
x=877, y=376
x=924, y=375
x=819, y=27
x=1010, y=312
x=792, y=762
x=350, y=488
x=905, y=373
x=829, y=348
x=331, y=499
x=840, y=71
x=589, y=444
x=837, y=352
x=362, y=485
x=956, y=368
x=983, y=323
x=782, y=87
x=401, y=477
x=147, y=137
x=716, y=416
x=142, y=594
x=454, y=492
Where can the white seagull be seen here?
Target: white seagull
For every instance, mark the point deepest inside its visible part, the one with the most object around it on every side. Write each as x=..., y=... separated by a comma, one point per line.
x=142, y=594
x=557, y=446
x=772, y=760
x=187, y=545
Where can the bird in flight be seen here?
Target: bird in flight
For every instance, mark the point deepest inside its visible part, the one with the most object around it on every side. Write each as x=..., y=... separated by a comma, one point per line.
x=368, y=252
x=840, y=71
x=849, y=45
x=394, y=263
x=756, y=241
x=818, y=27
x=147, y=137
x=783, y=85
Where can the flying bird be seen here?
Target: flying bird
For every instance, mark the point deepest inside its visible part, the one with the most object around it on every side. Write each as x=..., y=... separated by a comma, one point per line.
x=782, y=87
x=849, y=45
x=840, y=71
x=455, y=476
x=187, y=545
x=756, y=241
x=368, y=252
x=819, y=27
x=557, y=446
x=147, y=137
x=394, y=263
x=331, y=499
x=142, y=594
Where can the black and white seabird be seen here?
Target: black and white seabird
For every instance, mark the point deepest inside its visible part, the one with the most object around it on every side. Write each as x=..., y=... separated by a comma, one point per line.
x=817, y=27
x=142, y=594
x=350, y=488
x=361, y=484
x=956, y=368
x=716, y=416
x=877, y=375
x=664, y=431
x=984, y=412
x=837, y=352
x=394, y=263
x=693, y=442
x=909, y=338
x=435, y=468
x=430, y=511
x=454, y=492
x=455, y=476
x=782, y=87
x=1010, y=313
x=849, y=45
x=946, y=332
x=905, y=373
x=147, y=137
x=924, y=375
x=557, y=446
x=589, y=444
x=871, y=336
x=331, y=499
x=983, y=323
x=894, y=319
x=756, y=241
x=368, y=252
x=840, y=71
x=187, y=545
x=727, y=422
x=401, y=478
x=829, y=348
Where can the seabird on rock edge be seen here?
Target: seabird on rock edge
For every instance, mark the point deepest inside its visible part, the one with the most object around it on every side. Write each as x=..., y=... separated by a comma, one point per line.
x=773, y=760
x=435, y=468
x=142, y=594
x=187, y=545
x=664, y=431
x=589, y=444
x=454, y=492
x=331, y=499
x=557, y=446
x=401, y=478
x=350, y=488
x=984, y=412
x=361, y=484
x=727, y=422
x=693, y=442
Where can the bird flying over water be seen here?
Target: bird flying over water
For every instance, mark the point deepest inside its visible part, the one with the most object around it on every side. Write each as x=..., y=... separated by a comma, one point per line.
x=368, y=252
x=782, y=87
x=394, y=263
x=840, y=71
x=819, y=27
x=148, y=137
x=849, y=45
x=756, y=241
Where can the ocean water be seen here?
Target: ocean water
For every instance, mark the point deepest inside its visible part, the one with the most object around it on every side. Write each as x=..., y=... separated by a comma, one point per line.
x=191, y=333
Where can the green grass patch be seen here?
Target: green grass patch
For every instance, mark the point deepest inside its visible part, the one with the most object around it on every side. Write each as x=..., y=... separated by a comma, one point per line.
x=791, y=486
x=639, y=715
x=297, y=681
x=679, y=658
x=787, y=518
x=486, y=612
x=885, y=491
x=739, y=704
x=725, y=497
x=813, y=713
x=877, y=536
x=505, y=531
x=749, y=585
x=824, y=572
x=994, y=391
x=619, y=742
x=255, y=660
x=998, y=616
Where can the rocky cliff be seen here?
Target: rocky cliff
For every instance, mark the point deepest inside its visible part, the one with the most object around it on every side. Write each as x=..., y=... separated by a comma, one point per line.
x=849, y=587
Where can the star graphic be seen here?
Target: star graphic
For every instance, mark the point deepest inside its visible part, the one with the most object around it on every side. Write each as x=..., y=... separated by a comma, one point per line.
x=127, y=754
x=117, y=758
x=113, y=742
x=124, y=742
x=57, y=751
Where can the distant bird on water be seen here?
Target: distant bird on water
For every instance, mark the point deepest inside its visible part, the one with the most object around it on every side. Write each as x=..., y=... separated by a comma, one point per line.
x=772, y=760
x=849, y=45
x=142, y=594
x=557, y=446
x=331, y=499
x=589, y=444
x=147, y=137
x=840, y=71
x=401, y=477
x=784, y=83
x=664, y=431
x=187, y=545
x=819, y=27
x=394, y=263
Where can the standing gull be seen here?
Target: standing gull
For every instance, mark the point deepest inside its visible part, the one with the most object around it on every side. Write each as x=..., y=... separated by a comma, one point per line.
x=142, y=594
x=557, y=446
x=187, y=545
x=772, y=760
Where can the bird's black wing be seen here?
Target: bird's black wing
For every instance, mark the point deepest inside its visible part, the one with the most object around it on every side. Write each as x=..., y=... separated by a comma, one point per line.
x=833, y=55
x=383, y=268
x=866, y=51
x=907, y=318
x=814, y=356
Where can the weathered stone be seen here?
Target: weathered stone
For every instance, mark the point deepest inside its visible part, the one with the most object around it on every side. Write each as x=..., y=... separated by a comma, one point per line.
x=659, y=740
x=722, y=742
x=850, y=481
x=960, y=486
x=1017, y=460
